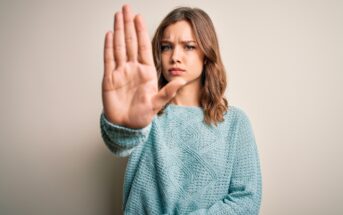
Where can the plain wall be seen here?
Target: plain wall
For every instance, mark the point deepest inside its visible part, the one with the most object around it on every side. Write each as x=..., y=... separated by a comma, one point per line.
x=284, y=63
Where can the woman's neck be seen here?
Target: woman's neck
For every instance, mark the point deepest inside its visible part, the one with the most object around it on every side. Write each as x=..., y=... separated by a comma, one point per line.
x=188, y=95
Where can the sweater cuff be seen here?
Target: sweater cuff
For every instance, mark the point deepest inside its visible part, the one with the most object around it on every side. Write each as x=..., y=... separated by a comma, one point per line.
x=121, y=136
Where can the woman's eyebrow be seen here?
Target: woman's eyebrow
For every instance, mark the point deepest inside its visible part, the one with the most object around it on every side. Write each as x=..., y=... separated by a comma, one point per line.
x=165, y=41
x=183, y=41
x=188, y=41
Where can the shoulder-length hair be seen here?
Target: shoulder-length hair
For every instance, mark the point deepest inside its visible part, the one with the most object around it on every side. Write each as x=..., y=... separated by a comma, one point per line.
x=213, y=77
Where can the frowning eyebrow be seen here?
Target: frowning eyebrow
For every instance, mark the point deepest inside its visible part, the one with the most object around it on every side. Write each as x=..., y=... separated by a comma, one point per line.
x=183, y=41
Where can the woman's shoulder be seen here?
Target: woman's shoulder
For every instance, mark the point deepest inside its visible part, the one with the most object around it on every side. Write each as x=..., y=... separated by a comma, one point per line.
x=236, y=112
x=237, y=116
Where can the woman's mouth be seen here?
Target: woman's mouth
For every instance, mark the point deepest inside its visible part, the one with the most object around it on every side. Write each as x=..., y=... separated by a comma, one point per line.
x=176, y=71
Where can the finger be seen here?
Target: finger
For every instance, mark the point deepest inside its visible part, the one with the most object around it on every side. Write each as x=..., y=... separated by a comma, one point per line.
x=108, y=54
x=144, y=44
x=119, y=40
x=166, y=94
x=130, y=34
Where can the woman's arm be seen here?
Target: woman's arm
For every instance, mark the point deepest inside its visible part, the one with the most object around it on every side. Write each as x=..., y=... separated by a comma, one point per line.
x=130, y=92
x=122, y=140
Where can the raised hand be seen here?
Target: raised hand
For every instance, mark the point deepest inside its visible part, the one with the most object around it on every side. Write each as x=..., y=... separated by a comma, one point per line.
x=129, y=89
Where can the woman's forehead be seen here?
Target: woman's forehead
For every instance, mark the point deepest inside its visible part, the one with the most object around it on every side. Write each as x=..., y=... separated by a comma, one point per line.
x=180, y=30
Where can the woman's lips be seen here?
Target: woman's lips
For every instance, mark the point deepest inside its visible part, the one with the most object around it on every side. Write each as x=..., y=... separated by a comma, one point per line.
x=176, y=71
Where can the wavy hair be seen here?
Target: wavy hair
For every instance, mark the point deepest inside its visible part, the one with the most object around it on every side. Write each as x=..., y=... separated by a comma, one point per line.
x=213, y=77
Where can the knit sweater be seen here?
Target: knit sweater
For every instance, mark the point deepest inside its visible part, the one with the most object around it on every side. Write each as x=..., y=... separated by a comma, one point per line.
x=178, y=164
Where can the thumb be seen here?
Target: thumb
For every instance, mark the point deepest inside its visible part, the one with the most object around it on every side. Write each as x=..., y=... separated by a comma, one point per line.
x=166, y=94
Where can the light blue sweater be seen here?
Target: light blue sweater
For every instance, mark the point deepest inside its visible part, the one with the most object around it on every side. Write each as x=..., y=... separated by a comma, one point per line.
x=180, y=165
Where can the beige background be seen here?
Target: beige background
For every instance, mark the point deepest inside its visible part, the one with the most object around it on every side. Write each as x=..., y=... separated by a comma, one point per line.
x=284, y=60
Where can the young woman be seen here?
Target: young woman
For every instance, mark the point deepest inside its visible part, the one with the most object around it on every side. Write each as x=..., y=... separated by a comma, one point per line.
x=164, y=106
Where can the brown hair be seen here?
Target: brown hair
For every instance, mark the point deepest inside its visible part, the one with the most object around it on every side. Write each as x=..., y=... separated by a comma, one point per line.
x=213, y=77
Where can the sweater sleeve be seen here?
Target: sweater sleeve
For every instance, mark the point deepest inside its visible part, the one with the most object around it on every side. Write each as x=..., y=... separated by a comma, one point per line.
x=245, y=189
x=122, y=140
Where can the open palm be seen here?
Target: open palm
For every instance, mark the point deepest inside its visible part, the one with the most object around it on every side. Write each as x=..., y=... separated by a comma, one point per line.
x=129, y=89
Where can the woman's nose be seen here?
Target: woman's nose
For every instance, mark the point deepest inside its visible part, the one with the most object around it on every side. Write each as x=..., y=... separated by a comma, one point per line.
x=176, y=55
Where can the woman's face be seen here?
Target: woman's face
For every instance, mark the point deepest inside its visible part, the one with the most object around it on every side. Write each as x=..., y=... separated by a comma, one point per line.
x=181, y=55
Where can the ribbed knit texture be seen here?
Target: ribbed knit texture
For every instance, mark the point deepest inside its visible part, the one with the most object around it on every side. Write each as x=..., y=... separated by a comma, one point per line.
x=180, y=165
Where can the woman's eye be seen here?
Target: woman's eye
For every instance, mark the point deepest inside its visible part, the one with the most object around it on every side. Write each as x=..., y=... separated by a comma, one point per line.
x=165, y=47
x=190, y=47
